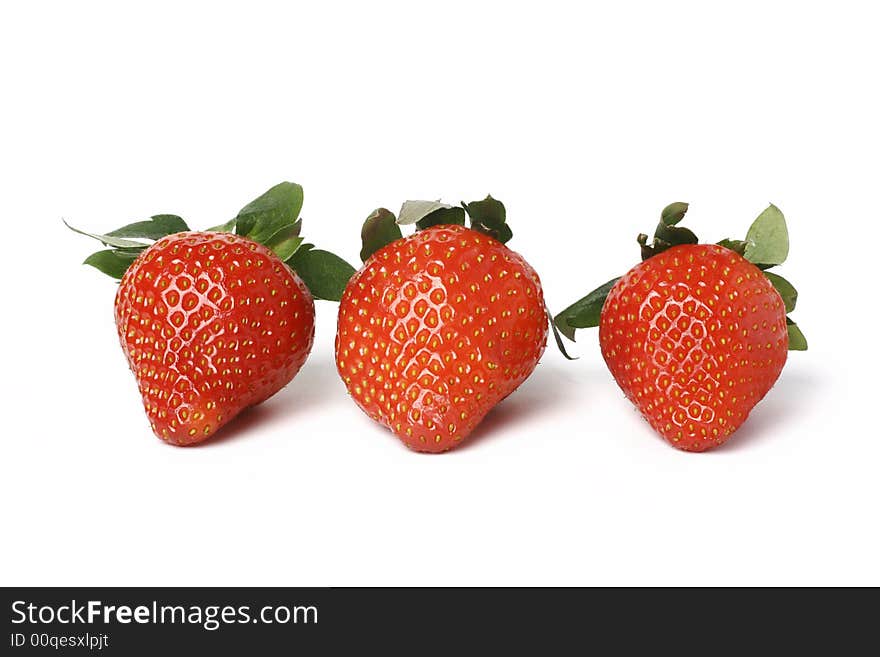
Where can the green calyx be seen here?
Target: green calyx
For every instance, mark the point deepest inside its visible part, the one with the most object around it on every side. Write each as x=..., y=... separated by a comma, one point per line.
x=766, y=245
x=272, y=219
x=668, y=233
x=585, y=312
x=379, y=229
x=382, y=227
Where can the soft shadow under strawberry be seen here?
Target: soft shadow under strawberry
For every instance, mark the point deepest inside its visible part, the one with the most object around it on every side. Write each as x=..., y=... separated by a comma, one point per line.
x=793, y=391
x=316, y=383
x=540, y=395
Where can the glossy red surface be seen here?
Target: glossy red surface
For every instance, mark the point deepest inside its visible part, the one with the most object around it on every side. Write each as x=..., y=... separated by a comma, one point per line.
x=211, y=323
x=435, y=330
x=695, y=337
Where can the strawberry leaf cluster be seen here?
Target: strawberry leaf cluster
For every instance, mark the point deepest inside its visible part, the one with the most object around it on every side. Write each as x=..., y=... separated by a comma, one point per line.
x=272, y=219
x=766, y=245
x=382, y=227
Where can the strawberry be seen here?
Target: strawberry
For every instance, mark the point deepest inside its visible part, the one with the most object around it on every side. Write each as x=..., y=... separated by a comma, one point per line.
x=695, y=337
x=696, y=334
x=213, y=322
x=438, y=327
x=210, y=323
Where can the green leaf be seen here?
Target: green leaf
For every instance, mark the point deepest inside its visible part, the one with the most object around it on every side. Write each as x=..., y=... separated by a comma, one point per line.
x=585, y=312
x=559, y=343
x=324, y=273
x=112, y=262
x=737, y=246
x=786, y=290
x=504, y=234
x=668, y=236
x=156, y=227
x=489, y=212
x=228, y=227
x=285, y=242
x=109, y=240
x=425, y=214
x=115, y=261
x=271, y=213
x=767, y=239
x=412, y=212
x=673, y=213
x=490, y=217
x=379, y=229
x=796, y=339
x=440, y=217
x=667, y=233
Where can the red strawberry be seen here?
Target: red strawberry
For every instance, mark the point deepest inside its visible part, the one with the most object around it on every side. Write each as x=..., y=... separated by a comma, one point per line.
x=436, y=329
x=212, y=322
x=696, y=334
x=695, y=337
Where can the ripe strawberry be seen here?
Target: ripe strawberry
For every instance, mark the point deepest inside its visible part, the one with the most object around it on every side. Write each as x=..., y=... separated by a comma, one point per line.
x=439, y=327
x=212, y=323
x=696, y=335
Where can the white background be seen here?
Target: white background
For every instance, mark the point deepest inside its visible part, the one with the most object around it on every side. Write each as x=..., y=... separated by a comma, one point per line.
x=585, y=120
